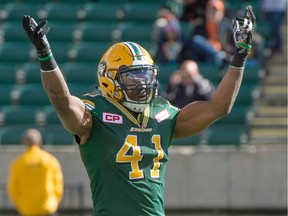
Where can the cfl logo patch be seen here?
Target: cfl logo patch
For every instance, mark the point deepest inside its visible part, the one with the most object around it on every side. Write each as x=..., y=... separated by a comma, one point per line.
x=112, y=118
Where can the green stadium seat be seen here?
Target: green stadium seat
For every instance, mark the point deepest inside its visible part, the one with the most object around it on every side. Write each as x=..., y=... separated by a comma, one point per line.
x=227, y=135
x=239, y=115
x=248, y=94
x=7, y=73
x=29, y=73
x=130, y=31
x=187, y=141
x=12, y=135
x=57, y=135
x=29, y=94
x=80, y=72
x=114, y=1
x=264, y=29
x=13, y=31
x=61, y=31
x=253, y=73
x=63, y=11
x=90, y=51
x=79, y=89
x=141, y=11
x=103, y=11
x=5, y=94
x=61, y=51
x=164, y=73
x=50, y=116
x=210, y=72
x=97, y=31
x=18, y=115
x=15, y=52
x=16, y=10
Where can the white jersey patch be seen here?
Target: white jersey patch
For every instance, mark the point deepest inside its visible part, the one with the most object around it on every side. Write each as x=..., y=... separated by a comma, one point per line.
x=161, y=116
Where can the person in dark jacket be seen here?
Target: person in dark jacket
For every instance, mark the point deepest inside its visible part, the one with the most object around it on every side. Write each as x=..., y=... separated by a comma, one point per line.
x=187, y=85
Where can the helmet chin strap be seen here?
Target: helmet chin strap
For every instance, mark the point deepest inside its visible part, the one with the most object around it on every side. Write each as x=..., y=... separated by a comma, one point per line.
x=135, y=107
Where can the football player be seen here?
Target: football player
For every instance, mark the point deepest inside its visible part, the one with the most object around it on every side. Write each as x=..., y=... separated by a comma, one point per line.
x=124, y=129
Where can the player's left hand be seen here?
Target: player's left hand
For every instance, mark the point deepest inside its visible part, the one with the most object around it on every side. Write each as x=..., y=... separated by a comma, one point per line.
x=37, y=34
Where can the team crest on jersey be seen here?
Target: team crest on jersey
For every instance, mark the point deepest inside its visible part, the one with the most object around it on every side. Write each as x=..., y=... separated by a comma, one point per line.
x=112, y=118
x=161, y=116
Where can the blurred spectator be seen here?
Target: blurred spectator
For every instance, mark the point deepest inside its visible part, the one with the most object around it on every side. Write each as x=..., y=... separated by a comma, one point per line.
x=167, y=36
x=274, y=12
x=187, y=85
x=35, y=183
x=211, y=41
x=193, y=11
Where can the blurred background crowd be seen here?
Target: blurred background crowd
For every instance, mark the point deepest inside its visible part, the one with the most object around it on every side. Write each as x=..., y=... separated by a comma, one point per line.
x=190, y=40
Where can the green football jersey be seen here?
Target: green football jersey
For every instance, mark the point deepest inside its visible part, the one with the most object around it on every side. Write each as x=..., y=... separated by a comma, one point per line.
x=125, y=156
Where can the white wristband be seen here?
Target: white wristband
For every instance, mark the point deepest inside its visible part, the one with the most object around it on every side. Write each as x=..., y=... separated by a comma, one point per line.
x=239, y=68
x=49, y=71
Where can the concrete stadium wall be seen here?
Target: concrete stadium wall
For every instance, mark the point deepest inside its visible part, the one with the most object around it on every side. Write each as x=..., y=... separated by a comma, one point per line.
x=204, y=177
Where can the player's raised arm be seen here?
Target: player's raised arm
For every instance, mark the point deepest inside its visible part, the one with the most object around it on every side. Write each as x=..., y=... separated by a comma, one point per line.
x=197, y=116
x=70, y=109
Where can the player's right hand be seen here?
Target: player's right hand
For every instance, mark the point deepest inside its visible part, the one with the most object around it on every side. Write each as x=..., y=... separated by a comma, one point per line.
x=242, y=34
x=243, y=31
x=37, y=35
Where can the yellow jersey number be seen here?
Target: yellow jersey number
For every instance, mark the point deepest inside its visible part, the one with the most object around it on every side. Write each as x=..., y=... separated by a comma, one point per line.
x=131, y=143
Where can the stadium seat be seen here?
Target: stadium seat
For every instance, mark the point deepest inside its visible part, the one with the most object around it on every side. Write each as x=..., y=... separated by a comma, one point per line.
x=5, y=94
x=61, y=51
x=264, y=29
x=248, y=94
x=253, y=73
x=114, y=1
x=14, y=11
x=60, y=11
x=239, y=115
x=164, y=73
x=90, y=51
x=7, y=73
x=29, y=94
x=130, y=31
x=15, y=52
x=12, y=135
x=103, y=11
x=61, y=31
x=141, y=11
x=50, y=116
x=97, y=31
x=79, y=89
x=18, y=115
x=13, y=31
x=29, y=73
x=209, y=71
x=187, y=141
x=80, y=72
x=227, y=135
x=57, y=135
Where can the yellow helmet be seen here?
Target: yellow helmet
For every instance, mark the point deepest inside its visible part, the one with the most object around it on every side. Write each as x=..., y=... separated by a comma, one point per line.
x=127, y=74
